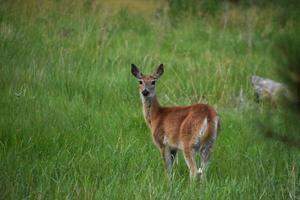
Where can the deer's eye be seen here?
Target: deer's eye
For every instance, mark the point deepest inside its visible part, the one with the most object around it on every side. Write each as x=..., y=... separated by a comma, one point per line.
x=153, y=82
x=140, y=82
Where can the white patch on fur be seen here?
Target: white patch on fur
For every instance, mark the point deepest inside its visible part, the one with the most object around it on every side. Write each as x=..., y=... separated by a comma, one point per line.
x=165, y=142
x=216, y=124
x=200, y=171
x=203, y=127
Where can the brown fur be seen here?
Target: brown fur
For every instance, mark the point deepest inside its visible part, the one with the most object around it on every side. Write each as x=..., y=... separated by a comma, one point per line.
x=179, y=124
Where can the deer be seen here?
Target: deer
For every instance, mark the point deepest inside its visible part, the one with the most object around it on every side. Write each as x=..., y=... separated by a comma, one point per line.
x=192, y=129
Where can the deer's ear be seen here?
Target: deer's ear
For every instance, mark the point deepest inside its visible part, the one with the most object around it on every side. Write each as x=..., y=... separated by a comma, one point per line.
x=136, y=72
x=159, y=71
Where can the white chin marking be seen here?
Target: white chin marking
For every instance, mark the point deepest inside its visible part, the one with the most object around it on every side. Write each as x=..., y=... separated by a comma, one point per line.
x=147, y=98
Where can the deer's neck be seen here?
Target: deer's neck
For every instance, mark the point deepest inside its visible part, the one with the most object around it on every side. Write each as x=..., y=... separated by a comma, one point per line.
x=151, y=109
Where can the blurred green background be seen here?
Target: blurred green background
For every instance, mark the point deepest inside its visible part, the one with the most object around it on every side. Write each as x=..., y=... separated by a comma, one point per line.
x=71, y=123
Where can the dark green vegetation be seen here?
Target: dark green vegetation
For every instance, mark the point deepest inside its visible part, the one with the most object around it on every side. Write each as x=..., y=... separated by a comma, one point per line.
x=71, y=124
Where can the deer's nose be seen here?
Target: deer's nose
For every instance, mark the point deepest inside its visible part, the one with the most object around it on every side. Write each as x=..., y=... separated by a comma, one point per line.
x=145, y=92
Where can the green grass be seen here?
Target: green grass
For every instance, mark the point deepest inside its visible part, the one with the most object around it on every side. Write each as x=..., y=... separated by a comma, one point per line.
x=71, y=124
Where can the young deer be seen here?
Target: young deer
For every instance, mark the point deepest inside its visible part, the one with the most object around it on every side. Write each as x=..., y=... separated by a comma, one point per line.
x=192, y=129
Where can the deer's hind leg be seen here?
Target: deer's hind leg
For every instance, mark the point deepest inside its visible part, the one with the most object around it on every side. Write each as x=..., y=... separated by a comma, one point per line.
x=206, y=148
x=205, y=153
x=189, y=156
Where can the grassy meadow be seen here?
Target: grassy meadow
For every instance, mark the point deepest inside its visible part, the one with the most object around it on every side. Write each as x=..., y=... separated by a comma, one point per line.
x=71, y=123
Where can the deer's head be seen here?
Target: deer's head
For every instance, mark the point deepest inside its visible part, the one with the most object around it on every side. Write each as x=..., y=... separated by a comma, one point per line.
x=147, y=82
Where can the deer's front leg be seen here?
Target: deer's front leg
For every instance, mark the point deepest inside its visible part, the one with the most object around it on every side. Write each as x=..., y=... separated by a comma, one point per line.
x=168, y=157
